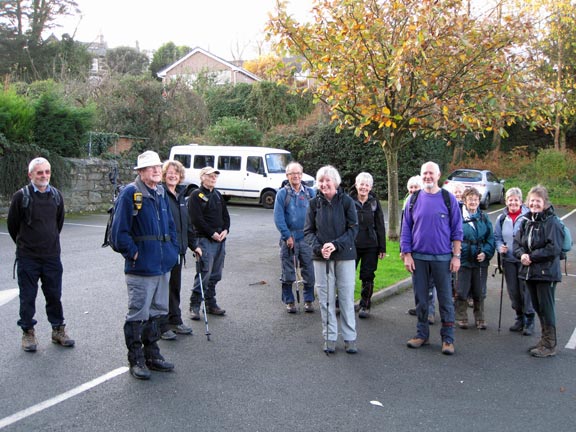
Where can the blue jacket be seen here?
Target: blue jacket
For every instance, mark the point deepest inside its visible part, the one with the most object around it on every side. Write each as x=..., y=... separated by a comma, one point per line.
x=334, y=222
x=151, y=233
x=478, y=237
x=505, y=230
x=289, y=218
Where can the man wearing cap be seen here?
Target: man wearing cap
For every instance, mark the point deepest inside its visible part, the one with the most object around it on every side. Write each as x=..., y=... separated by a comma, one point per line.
x=144, y=232
x=211, y=222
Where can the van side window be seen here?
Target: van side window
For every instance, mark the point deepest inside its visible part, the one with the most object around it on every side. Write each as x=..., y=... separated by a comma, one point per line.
x=183, y=159
x=229, y=163
x=255, y=164
x=201, y=161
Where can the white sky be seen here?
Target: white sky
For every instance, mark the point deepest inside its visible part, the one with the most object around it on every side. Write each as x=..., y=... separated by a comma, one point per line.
x=224, y=27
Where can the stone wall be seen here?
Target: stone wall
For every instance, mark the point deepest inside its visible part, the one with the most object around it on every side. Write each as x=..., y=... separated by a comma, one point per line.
x=90, y=188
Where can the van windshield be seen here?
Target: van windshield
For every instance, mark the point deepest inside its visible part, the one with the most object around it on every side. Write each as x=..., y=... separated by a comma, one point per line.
x=277, y=162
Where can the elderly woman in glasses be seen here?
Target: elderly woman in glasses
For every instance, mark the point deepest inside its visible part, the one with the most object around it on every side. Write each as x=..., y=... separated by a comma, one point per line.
x=478, y=248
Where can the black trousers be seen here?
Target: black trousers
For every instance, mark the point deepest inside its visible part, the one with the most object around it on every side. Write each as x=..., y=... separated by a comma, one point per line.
x=49, y=272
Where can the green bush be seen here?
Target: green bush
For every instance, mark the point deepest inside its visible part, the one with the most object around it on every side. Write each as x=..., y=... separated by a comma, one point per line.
x=234, y=131
x=16, y=117
x=61, y=128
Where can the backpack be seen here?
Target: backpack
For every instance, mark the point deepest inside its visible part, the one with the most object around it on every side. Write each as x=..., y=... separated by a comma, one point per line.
x=137, y=199
x=567, y=243
x=27, y=200
x=445, y=195
x=290, y=193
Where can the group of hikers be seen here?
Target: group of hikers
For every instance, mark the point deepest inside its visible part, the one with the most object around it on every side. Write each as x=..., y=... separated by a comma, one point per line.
x=326, y=233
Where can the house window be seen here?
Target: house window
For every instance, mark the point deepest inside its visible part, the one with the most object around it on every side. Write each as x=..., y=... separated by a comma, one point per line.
x=229, y=163
x=201, y=161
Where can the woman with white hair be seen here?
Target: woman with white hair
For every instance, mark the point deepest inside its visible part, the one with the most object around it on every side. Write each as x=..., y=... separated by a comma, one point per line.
x=371, y=238
x=330, y=229
x=505, y=228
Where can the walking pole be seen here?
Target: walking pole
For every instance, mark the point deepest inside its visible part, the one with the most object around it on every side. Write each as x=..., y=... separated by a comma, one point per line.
x=297, y=276
x=501, y=291
x=327, y=306
x=199, y=275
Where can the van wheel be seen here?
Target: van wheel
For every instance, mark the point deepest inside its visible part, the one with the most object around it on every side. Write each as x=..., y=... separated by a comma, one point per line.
x=268, y=199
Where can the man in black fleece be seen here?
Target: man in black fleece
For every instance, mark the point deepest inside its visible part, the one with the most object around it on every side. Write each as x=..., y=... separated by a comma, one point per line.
x=35, y=219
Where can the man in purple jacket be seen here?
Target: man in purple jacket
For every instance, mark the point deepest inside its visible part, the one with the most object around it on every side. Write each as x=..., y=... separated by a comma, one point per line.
x=430, y=243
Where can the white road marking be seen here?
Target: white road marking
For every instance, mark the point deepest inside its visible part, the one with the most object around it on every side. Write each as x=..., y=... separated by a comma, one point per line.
x=7, y=421
x=7, y=295
x=85, y=225
x=572, y=342
x=568, y=214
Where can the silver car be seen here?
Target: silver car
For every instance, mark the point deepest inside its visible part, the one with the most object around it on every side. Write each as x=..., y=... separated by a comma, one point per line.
x=491, y=189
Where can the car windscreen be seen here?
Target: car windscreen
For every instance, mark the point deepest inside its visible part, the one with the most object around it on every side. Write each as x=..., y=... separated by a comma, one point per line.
x=276, y=162
x=465, y=176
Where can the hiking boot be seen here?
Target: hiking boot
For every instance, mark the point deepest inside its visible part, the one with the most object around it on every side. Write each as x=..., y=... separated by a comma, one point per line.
x=543, y=351
x=463, y=324
x=364, y=313
x=159, y=364
x=518, y=325
x=481, y=325
x=447, y=348
x=350, y=347
x=215, y=310
x=431, y=319
x=528, y=326
x=412, y=311
x=182, y=329
x=195, y=313
x=308, y=307
x=416, y=342
x=29, y=341
x=60, y=337
x=140, y=371
x=168, y=335
x=291, y=308
x=329, y=347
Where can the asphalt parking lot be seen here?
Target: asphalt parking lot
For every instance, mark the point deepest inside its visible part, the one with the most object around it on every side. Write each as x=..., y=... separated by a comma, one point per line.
x=263, y=369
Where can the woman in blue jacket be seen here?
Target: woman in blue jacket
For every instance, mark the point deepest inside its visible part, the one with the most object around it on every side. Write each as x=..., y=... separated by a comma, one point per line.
x=477, y=250
x=506, y=226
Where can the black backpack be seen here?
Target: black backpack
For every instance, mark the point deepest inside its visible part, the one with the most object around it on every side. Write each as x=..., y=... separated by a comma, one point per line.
x=137, y=199
x=27, y=200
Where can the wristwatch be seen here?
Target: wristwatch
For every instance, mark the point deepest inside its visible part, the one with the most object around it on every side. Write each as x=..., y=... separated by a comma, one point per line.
x=456, y=256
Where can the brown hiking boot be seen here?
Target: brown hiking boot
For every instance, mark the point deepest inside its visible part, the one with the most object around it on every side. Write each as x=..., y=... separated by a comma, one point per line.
x=29, y=341
x=447, y=348
x=60, y=337
x=416, y=342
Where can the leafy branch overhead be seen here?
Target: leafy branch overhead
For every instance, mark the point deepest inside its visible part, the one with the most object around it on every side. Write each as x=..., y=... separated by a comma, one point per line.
x=395, y=70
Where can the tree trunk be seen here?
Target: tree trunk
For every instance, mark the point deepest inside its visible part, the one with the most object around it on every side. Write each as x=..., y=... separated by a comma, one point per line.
x=393, y=199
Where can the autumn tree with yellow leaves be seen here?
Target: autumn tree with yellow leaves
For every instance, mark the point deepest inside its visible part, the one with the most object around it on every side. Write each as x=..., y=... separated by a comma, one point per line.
x=395, y=70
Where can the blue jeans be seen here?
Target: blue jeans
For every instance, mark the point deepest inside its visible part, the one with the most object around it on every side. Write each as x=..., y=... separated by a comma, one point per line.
x=303, y=254
x=439, y=271
x=341, y=281
x=212, y=262
x=49, y=272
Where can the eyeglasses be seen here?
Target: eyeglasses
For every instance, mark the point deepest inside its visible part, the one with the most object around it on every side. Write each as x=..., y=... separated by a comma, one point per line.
x=294, y=174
